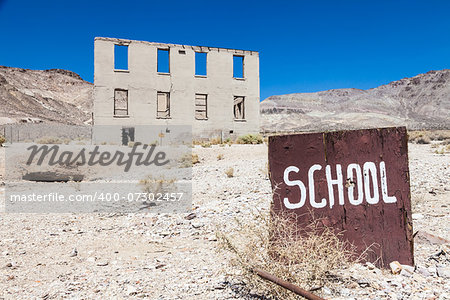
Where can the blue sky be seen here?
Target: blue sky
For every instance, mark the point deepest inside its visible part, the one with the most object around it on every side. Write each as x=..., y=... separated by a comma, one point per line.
x=304, y=46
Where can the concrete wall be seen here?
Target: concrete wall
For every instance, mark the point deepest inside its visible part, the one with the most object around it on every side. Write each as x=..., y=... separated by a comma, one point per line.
x=143, y=82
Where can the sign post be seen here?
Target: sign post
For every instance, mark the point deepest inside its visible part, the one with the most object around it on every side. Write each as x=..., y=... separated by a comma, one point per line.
x=356, y=182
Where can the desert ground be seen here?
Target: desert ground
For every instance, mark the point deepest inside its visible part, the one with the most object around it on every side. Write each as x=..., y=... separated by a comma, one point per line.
x=176, y=256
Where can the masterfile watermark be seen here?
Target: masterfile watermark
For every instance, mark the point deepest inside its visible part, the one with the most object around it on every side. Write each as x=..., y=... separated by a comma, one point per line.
x=94, y=157
x=132, y=169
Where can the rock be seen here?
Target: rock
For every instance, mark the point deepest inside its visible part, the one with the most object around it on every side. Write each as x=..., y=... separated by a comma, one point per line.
x=49, y=176
x=9, y=265
x=370, y=265
x=363, y=283
x=191, y=216
x=220, y=286
x=409, y=269
x=430, y=238
x=326, y=290
x=423, y=271
x=212, y=238
x=102, y=263
x=345, y=292
x=443, y=272
x=45, y=296
x=405, y=273
x=432, y=270
x=197, y=224
x=417, y=216
x=396, y=267
x=131, y=290
x=74, y=252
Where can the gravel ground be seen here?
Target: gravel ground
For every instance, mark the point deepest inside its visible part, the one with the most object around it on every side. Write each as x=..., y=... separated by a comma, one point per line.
x=175, y=256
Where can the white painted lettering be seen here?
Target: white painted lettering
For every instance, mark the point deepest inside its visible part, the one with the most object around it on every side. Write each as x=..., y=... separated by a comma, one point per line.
x=370, y=167
x=298, y=183
x=338, y=181
x=312, y=196
x=359, y=182
x=384, y=189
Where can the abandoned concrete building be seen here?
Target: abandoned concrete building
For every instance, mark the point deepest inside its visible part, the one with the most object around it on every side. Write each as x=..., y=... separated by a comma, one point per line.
x=214, y=90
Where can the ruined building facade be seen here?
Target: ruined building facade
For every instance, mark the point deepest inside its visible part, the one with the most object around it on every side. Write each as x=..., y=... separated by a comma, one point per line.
x=214, y=90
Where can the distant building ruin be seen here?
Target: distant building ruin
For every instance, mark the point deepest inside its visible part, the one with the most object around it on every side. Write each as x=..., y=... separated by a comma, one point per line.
x=214, y=90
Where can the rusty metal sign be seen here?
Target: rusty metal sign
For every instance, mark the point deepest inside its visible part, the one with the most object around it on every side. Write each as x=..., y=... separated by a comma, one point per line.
x=356, y=182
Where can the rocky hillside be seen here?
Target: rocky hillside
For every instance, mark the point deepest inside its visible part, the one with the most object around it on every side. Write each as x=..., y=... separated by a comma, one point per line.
x=44, y=96
x=420, y=102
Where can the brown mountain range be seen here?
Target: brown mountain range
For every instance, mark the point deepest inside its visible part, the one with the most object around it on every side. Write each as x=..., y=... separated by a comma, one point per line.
x=44, y=96
x=420, y=102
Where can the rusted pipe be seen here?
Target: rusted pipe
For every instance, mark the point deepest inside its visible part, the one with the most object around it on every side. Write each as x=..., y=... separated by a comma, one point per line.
x=286, y=285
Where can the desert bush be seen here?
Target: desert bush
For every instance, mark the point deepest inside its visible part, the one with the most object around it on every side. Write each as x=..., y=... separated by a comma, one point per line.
x=440, y=151
x=206, y=143
x=195, y=159
x=303, y=256
x=229, y=172
x=188, y=160
x=250, y=139
x=425, y=137
x=215, y=141
x=2, y=140
x=220, y=156
x=423, y=140
x=157, y=185
x=49, y=140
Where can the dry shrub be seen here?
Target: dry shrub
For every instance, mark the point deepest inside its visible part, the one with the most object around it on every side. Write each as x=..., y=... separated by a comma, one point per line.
x=188, y=160
x=195, y=159
x=250, y=139
x=229, y=172
x=215, y=141
x=442, y=149
x=220, y=156
x=423, y=140
x=206, y=143
x=2, y=140
x=49, y=140
x=157, y=185
x=301, y=256
x=426, y=136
